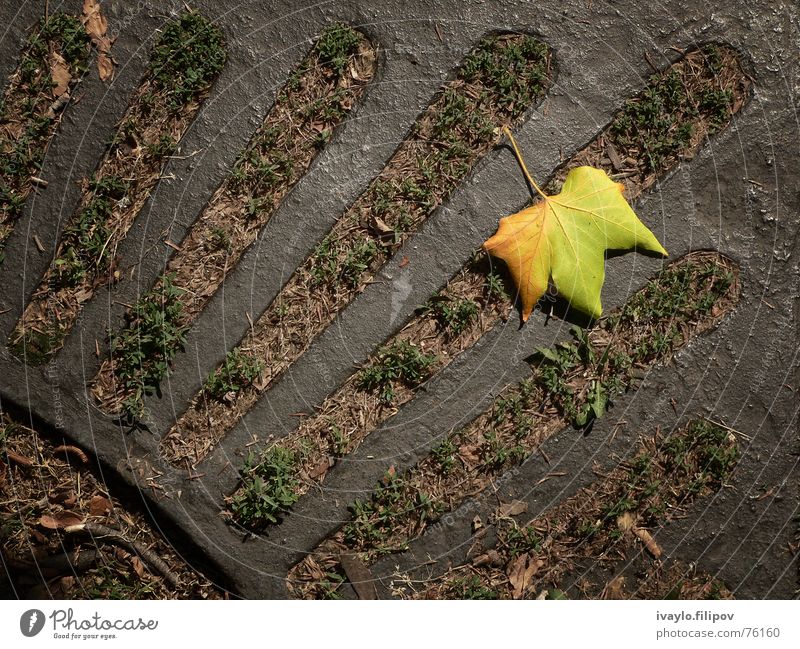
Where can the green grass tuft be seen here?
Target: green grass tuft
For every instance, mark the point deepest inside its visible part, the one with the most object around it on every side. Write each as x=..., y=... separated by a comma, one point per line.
x=237, y=372
x=144, y=350
x=454, y=316
x=336, y=45
x=400, y=362
x=658, y=122
x=85, y=246
x=188, y=56
x=269, y=488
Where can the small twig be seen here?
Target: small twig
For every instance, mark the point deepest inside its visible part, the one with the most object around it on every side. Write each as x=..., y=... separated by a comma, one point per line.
x=183, y=157
x=552, y=474
x=359, y=576
x=64, y=448
x=18, y=459
x=729, y=429
x=193, y=476
x=650, y=63
x=55, y=565
x=157, y=565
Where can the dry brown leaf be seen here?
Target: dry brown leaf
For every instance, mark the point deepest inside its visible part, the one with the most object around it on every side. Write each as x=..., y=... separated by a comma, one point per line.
x=649, y=542
x=18, y=459
x=532, y=569
x=96, y=26
x=513, y=508
x=60, y=74
x=612, y=154
x=98, y=506
x=520, y=571
x=490, y=558
x=61, y=496
x=380, y=226
x=470, y=453
x=515, y=567
x=626, y=522
x=41, y=539
x=66, y=583
x=516, y=574
x=60, y=520
x=362, y=67
x=614, y=589
x=383, y=231
x=105, y=66
x=320, y=470
x=67, y=448
x=93, y=19
x=138, y=566
x=314, y=571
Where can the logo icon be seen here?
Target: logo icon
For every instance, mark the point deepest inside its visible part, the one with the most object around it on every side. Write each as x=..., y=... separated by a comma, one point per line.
x=31, y=622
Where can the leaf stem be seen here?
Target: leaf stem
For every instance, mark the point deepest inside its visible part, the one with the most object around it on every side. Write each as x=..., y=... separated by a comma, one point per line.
x=507, y=132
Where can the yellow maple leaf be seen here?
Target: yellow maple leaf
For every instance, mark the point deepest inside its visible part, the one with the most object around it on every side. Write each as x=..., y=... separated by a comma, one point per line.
x=565, y=237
